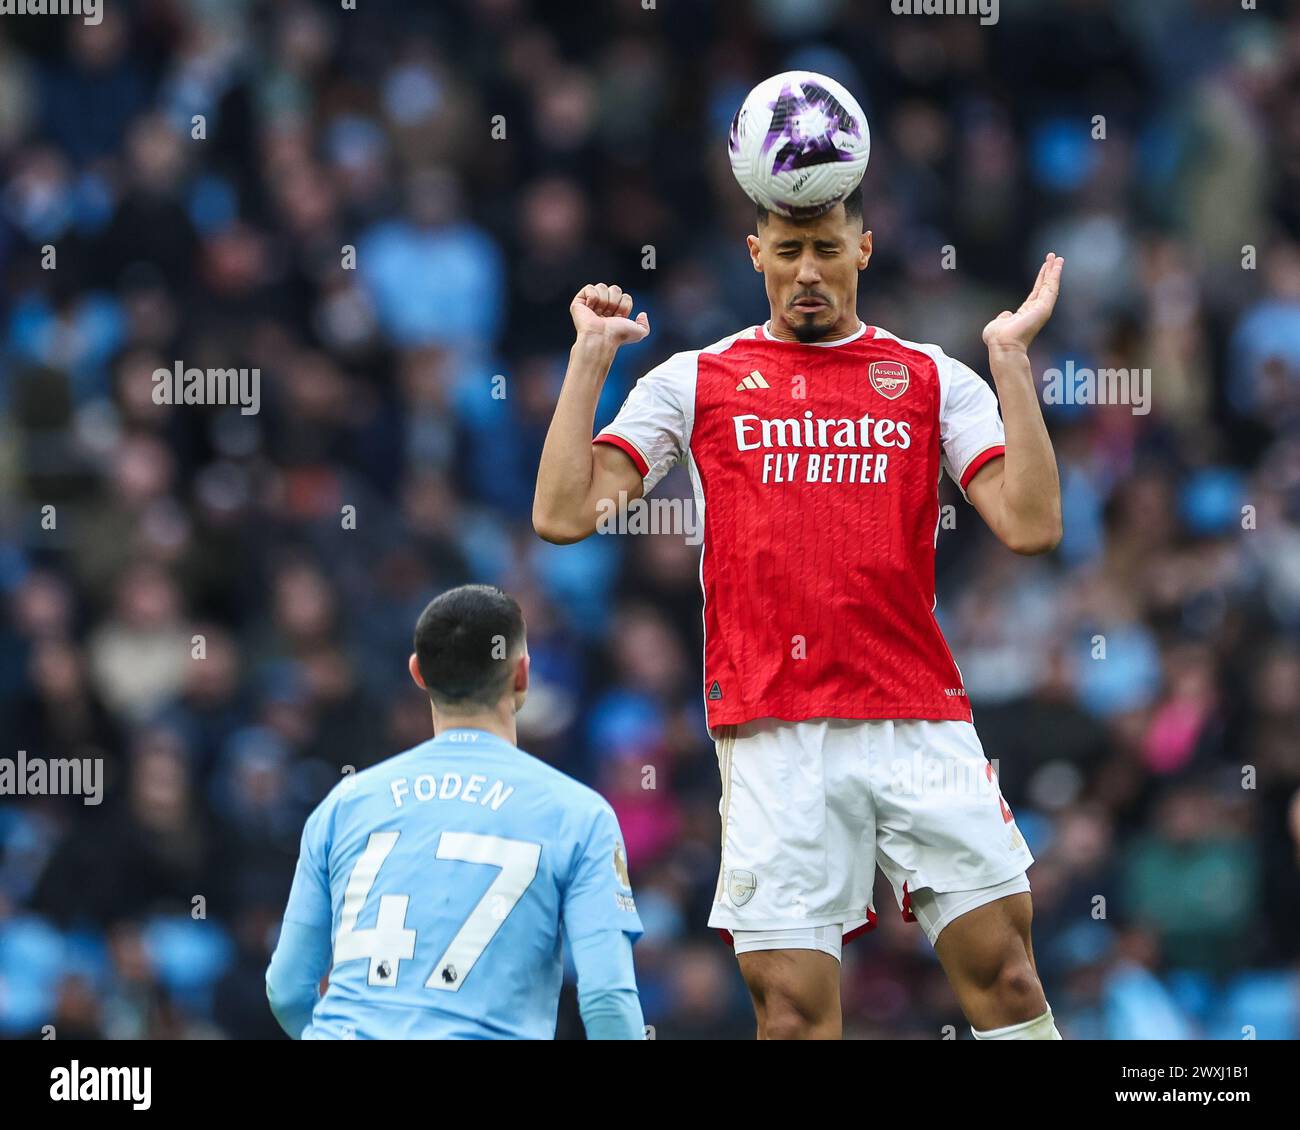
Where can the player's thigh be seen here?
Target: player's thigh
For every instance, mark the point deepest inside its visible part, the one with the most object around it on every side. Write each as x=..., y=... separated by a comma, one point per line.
x=978, y=940
x=797, y=830
x=985, y=950
x=941, y=821
x=796, y=992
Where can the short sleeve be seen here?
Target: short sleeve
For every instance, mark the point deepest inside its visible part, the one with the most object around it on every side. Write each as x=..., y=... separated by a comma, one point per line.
x=970, y=427
x=309, y=897
x=654, y=424
x=598, y=896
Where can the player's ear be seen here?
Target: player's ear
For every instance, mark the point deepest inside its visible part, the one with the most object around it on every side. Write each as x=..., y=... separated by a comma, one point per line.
x=521, y=679
x=864, y=251
x=755, y=245
x=414, y=667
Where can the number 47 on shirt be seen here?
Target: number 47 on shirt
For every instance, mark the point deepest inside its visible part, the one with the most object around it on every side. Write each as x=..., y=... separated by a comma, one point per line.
x=388, y=943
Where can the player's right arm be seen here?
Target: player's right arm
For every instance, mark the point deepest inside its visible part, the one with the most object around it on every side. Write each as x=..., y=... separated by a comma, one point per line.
x=575, y=476
x=302, y=954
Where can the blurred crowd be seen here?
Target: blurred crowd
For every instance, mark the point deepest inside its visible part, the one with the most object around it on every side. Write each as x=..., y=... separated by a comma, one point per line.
x=387, y=211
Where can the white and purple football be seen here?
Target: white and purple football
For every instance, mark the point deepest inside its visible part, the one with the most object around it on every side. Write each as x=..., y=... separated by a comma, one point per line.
x=798, y=144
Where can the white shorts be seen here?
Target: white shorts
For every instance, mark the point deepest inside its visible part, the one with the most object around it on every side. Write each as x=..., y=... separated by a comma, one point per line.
x=810, y=808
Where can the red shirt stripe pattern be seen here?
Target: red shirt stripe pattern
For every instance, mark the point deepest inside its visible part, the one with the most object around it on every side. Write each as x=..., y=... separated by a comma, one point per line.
x=816, y=469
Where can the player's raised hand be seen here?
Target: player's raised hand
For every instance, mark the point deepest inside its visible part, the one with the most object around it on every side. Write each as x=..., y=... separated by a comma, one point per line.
x=604, y=312
x=1016, y=331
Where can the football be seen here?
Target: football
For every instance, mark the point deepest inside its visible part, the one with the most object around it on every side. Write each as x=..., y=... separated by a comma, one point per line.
x=798, y=144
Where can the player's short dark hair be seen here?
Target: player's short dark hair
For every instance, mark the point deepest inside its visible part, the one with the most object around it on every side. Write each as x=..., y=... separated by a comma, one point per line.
x=852, y=207
x=465, y=640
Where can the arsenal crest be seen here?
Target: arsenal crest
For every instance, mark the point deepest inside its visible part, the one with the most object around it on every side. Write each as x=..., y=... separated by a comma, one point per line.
x=889, y=378
x=741, y=886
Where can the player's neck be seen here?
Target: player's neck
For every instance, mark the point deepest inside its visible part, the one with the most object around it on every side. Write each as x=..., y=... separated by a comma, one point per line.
x=499, y=723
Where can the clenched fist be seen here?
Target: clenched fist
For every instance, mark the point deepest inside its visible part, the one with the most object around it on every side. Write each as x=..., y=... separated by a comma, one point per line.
x=601, y=312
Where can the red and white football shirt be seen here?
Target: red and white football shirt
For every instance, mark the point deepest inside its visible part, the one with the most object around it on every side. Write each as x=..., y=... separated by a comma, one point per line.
x=816, y=469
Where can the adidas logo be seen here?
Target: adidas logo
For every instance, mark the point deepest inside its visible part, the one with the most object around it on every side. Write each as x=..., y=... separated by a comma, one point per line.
x=754, y=380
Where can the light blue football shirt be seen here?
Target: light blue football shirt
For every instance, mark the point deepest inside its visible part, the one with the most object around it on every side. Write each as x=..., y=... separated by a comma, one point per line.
x=445, y=876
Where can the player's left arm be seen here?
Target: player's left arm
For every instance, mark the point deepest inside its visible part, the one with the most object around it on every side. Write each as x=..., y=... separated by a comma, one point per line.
x=302, y=954
x=601, y=924
x=1019, y=495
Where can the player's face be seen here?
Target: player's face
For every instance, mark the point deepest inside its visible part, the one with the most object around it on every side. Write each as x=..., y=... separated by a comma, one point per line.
x=810, y=269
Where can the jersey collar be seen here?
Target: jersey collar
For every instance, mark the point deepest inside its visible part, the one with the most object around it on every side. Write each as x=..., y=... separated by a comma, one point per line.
x=764, y=334
x=465, y=737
